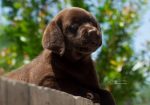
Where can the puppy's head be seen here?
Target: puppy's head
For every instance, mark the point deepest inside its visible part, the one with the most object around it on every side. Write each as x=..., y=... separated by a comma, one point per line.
x=72, y=29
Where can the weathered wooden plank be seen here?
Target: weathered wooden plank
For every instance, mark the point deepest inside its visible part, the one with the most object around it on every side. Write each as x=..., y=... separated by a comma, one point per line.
x=46, y=96
x=62, y=98
x=82, y=101
x=3, y=91
x=38, y=96
x=18, y=93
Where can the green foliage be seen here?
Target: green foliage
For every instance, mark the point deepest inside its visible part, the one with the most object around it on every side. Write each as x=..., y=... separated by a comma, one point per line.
x=117, y=65
x=22, y=34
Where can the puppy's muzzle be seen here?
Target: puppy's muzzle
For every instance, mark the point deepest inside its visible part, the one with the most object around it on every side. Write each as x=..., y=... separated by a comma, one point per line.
x=91, y=36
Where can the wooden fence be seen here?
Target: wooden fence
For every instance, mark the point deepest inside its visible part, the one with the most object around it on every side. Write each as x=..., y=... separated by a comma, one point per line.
x=20, y=93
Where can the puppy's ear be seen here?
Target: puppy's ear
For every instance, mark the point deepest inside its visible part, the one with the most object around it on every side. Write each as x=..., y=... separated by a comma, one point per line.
x=53, y=38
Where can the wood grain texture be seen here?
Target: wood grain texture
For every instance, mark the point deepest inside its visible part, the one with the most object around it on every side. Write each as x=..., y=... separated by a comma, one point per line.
x=3, y=92
x=20, y=93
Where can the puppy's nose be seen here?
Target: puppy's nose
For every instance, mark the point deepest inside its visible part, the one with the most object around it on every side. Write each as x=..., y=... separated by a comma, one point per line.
x=94, y=33
x=93, y=37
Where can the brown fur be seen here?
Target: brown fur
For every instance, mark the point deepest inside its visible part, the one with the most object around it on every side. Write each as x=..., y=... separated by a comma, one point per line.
x=65, y=63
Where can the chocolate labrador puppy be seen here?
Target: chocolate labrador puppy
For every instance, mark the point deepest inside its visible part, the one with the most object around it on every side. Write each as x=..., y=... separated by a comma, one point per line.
x=65, y=63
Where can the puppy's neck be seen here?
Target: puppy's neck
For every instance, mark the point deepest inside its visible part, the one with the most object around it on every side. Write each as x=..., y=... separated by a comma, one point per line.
x=77, y=69
x=74, y=56
x=68, y=56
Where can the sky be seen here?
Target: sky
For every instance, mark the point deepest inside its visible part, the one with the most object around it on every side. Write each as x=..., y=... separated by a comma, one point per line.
x=142, y=35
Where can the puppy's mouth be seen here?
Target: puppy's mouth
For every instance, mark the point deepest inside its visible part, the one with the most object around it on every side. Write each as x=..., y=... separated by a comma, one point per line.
x=86, y=49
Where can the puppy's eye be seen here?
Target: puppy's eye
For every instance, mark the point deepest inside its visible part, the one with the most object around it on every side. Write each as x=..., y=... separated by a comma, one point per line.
x=73, y=27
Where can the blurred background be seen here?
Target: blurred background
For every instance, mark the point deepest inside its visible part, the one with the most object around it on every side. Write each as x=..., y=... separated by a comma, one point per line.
x=122, y=63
